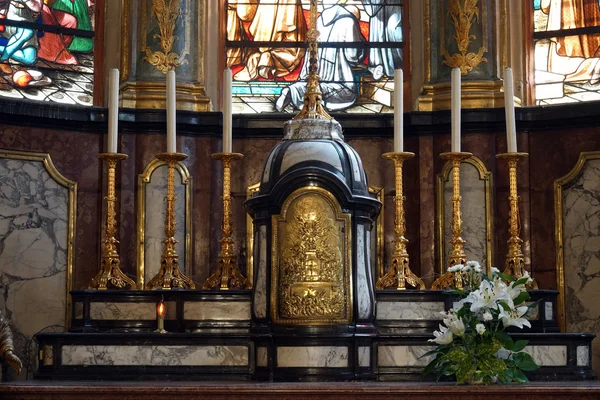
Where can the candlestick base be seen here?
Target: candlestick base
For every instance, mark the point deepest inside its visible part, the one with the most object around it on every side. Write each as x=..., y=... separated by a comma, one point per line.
x=456, y=156
x=227, y=276
x=161, y=331
x=515, y=259
x=110, y=273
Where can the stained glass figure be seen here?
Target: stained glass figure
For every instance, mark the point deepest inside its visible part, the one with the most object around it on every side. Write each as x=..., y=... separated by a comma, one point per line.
x=46, y=50
x=567, y=50
x=360, y=45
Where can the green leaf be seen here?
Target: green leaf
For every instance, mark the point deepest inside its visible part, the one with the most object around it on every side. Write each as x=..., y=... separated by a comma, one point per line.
x=520, y=345
x=491, y=366
x=521, y=298
x=521, y=281
x=525, y=362
x=504, y=305
x=465, y=372
x=519, y=376
x=457, y=354
x=506, y=340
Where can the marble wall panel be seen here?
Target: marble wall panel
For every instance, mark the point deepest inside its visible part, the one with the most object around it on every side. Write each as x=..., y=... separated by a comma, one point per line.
x=364, y=356
x=473, y=207
x=548, y=356
x=155, y=355
x=154, y=227
x=122, y=311
x=403, y=356
x=581, y=244
x=312, y=356
x=389, y=310
x=34, y=235
x=217, y=310
x=262, y=357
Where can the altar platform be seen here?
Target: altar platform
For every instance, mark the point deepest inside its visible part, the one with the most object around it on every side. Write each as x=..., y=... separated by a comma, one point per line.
x=159, y=390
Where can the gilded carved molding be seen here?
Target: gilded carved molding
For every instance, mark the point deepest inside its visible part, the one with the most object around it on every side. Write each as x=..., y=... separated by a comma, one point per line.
x=463, y=13
x=167, y=13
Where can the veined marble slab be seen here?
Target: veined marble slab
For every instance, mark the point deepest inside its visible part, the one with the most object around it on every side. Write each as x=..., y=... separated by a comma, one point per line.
x=260, y=289
x=581, y=243
x=262, y=357
x=398, y=311
x=155, y=355
x=33, y=251
x=548, y=356
x=403, y=356
x=364, y=356
x=583, y=356
x=363, y=296
x=122, y=311
x=312, y=356
x=217, y=310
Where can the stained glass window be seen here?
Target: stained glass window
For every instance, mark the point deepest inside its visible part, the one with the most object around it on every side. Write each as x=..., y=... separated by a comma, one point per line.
x=360, y=45
x=567, y=50
x=46, y=50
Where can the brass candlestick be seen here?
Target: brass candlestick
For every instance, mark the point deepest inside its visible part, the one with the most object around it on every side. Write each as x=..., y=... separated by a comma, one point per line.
x=227, y=275
x=169, y=276
x=457, y=252
x=399, y=273
x=110, y=273
x=515, y=260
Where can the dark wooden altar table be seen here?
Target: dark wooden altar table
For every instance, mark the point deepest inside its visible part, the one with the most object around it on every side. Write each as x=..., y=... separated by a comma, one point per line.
x=156, y=390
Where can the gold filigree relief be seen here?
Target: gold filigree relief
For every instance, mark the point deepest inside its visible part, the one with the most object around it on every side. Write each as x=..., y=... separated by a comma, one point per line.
x=167, y=13
x=463, y=14
x=311, y=279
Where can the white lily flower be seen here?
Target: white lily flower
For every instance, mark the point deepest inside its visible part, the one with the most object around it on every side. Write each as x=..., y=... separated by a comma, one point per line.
x=480, y=328
x=443, y=336
x=456, y=268
x=457, y=327
x=514, y=316
x=475, y=265
x=487, y=316
x=487, y=296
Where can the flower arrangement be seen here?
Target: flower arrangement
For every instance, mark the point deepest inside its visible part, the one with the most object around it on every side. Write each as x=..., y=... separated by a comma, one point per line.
x=472, y=343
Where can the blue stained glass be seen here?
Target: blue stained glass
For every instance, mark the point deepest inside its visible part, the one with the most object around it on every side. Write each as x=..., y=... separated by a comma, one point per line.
x=537, y=4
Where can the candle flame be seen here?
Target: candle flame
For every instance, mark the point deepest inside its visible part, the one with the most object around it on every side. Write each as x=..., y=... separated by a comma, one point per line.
x=161, y=309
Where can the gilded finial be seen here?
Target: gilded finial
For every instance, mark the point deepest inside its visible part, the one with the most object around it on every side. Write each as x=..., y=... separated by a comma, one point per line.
x=313, y=99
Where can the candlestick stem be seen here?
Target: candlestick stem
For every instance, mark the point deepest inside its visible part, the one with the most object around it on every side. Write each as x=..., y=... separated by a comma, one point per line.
x=170, y=276
x=399, y=273
x=457, y=251
x=110, y=273
x=515, y=259
x=227, y=275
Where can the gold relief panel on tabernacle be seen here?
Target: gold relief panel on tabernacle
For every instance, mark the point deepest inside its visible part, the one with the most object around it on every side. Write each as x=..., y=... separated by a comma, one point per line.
x=311, y=275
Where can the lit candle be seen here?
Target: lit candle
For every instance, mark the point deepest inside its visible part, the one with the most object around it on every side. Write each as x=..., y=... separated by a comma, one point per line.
x=398, y=111
x=171, y=112
x=455, y=109
x=160, y=311
x=113, y=110
x=509, y=110
x=227, y=118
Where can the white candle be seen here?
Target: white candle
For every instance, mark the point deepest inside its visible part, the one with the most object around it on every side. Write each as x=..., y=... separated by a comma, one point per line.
x=113, y=110
x=398, y=111
x=171, y=112
x=509, y=110
x=227, y=117
x=455, y=109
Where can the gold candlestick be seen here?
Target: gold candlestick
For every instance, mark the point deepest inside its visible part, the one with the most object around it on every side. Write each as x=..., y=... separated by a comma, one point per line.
x=515, y=260
x=169, y=276
x=110, y=272
x=457, y=252
x=399, y=273
x=227, y=275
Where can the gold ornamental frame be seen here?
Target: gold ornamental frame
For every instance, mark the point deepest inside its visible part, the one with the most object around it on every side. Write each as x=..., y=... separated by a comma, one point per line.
x=559, y=185
x=346, y=238
x=71, y=186
x=379, y=265
x=486, y=177
x=143, y=180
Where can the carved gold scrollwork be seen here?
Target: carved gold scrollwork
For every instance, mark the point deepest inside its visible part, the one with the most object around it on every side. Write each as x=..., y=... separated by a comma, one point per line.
x=311, y=268
x=167, y=13
x=463, y=14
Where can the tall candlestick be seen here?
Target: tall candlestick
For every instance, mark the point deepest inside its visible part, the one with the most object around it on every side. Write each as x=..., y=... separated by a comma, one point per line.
x=509, y=110
x=171, y=113
x=113, y=110
x=227, y=118
x=398, y=111
x=455, y=109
